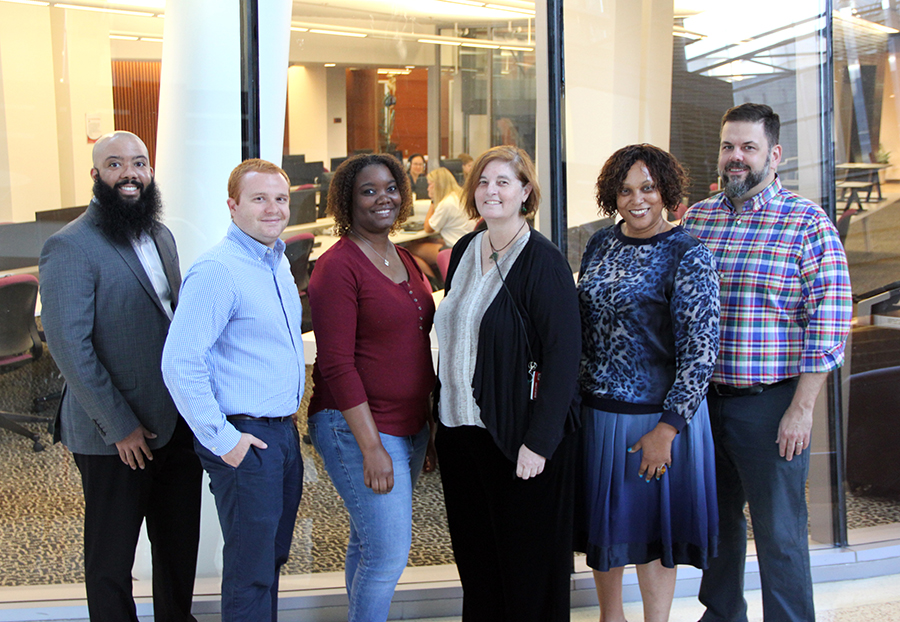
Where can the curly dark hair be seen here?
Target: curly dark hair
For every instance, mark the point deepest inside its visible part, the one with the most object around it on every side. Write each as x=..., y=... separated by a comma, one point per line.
x=340, y=191
x=671, y=179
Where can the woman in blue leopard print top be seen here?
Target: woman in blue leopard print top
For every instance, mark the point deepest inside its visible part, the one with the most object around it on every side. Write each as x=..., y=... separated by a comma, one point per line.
x=649, y=298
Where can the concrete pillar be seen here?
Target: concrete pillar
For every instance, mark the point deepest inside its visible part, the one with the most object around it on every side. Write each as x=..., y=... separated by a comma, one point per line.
x=199, y=133
x=199, y=143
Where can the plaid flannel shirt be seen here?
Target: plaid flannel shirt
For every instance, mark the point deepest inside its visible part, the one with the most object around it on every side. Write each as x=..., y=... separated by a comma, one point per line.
x=784, y=286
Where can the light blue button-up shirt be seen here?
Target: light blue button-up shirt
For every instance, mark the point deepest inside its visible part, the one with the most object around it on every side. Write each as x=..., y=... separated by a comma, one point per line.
x=235, y=345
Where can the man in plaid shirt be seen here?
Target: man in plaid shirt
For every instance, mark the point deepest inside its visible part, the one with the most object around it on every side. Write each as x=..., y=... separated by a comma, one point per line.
x=786, y=308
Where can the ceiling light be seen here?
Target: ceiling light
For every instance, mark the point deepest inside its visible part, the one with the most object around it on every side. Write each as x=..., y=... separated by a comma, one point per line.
x=339, y=33
x=146, y=4
x=97, y=9
x=410, y=36
x=681, y=31
x=511, y=9
x=864, y=23
x=330, y=65
x=123, y=37
x=439, y=42
x=31, y=2
x=490, y=46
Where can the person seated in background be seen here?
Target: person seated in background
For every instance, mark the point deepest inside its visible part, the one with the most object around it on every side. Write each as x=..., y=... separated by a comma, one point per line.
x=416, y=174
x=416, y=167
x=467, y=163
x=445, y=217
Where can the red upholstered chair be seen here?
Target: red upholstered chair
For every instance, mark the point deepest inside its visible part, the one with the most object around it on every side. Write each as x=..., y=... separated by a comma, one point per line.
x=443, y=262
x=297, y=250
x=20, y=341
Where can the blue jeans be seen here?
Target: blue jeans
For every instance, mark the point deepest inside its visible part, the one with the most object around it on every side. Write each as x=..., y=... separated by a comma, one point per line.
x=257, y=504
x=750, y=471
x=380, y=525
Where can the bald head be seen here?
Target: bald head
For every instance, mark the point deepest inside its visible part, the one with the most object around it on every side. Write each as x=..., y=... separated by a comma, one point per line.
x=109, y=144
x=122, y=162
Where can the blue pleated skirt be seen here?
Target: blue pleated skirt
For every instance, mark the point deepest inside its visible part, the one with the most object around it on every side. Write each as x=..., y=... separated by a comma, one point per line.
x=621, y=519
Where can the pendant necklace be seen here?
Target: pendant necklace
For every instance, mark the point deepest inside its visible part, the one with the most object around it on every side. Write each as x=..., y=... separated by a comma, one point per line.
x=502, y=248
x=369, y=244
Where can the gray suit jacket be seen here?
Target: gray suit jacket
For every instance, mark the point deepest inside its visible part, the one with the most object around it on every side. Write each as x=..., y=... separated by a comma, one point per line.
x=106, y=327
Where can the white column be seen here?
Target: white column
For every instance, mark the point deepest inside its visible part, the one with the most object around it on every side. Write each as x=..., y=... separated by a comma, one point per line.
x=199, y=143
x=81, y=65
x=618, y=87
x=336, y=79
x=199, y=133
x=28, y=147
x=274, y=46
x=308, y=119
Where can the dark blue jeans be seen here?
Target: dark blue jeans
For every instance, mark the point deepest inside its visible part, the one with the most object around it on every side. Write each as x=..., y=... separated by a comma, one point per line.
x=257, y=504
x=749, y=470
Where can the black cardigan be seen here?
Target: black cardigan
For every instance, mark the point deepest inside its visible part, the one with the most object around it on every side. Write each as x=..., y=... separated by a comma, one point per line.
x=543, y=288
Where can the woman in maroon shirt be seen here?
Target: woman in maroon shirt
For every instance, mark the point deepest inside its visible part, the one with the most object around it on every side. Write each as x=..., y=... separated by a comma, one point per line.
x=372, y=310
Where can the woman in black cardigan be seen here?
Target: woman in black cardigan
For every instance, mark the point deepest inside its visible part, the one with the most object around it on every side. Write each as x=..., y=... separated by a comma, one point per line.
x=510, y=344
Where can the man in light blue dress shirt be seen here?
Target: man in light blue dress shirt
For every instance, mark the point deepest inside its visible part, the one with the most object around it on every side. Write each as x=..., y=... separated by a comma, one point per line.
x=233, y=362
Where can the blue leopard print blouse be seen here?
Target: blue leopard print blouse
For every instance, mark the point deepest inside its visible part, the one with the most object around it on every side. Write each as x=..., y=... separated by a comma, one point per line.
x=649, y=319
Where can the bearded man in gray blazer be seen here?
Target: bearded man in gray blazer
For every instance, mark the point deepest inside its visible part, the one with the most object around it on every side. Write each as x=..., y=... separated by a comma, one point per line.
x=109, y=286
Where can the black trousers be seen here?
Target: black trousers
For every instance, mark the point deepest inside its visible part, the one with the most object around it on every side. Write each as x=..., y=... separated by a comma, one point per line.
x=116, y=502
x=512, y=538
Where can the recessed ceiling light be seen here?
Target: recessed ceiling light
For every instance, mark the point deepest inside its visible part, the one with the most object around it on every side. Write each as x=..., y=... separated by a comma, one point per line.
x=511, y=9
x=97, y=9
x=339, y=33
x=31, y=2
x=439, y=42
x=490, y=46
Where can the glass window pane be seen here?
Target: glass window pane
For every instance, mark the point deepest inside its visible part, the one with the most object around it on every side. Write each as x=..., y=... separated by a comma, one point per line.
x=67, y=76
x=867, y=176
x=664, y=74
x=437, y=79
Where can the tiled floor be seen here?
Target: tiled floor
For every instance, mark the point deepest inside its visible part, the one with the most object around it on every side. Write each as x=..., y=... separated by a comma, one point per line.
x=862, y=600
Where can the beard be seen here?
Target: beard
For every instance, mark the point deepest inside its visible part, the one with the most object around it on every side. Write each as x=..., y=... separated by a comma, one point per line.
x=124, y=220
x=735, y=188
